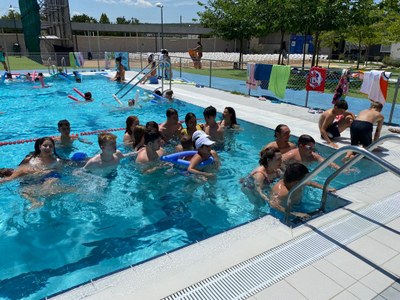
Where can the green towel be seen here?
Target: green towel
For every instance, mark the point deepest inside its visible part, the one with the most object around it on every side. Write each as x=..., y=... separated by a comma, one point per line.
x=278, y=80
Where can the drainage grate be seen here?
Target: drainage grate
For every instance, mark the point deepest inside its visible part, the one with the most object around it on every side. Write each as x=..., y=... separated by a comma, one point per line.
x=254, y=275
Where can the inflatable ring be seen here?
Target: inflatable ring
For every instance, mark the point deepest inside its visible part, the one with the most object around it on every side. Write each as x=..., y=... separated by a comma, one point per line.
x=177, y=159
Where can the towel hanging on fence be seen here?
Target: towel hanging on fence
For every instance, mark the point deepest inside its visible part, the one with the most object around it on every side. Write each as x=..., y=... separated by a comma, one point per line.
x=279, y=79
x=316, y=79
x=342, y=89
x=262, y=72
x=375, y=85
x=251, y=83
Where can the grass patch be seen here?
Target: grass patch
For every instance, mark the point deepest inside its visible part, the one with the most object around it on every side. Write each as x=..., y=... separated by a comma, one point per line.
x=223, y=73
x=23, y=63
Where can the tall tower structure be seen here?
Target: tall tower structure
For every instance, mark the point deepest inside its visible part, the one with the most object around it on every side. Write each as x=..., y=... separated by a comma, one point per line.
x=56, y=20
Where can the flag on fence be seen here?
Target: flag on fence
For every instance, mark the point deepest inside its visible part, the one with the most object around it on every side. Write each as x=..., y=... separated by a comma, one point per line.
x=316, y=79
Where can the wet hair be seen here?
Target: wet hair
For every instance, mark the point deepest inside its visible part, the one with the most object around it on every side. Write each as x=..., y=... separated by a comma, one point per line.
x=152, y=125
x=103, y=138
x=171, y=111
x=164, y=51
x=157, y=92
x=305, y=139
x=377, y=105
x=210, y=111
x=118, y=59
x=6, y=172
x=189, y=116
x=63, y=122
x=88, y=95
x=169, y=92
x=199, y=43
x=342, y=104
x=151, y=135
x=295, y=172
x=40, y=74
x=129, y=122
x=233, y=115
x=266, y=155
x=278, y=129
x=138, y=134
x=186, y=142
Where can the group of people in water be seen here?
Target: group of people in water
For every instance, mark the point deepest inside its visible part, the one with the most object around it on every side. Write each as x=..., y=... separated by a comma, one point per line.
x=282, y=164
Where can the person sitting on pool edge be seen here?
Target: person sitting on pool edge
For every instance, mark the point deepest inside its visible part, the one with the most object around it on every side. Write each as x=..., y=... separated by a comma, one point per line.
x=109, y=158
x=294, y=173
x=281, y=143
x=120, y=74
x=334, y=121
x=204, y=152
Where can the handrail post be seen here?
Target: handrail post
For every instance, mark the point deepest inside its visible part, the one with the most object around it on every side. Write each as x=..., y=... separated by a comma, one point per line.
x=209, y=85
x=180, y=67
x=396, y=91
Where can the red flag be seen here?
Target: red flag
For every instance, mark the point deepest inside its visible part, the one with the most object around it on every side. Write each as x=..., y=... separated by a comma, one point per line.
x=316, y=79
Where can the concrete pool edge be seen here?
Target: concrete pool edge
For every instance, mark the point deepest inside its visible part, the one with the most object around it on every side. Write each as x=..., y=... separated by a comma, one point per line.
x=160, y=277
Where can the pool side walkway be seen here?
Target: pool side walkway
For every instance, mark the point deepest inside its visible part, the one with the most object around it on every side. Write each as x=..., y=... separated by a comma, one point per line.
x=366, y=268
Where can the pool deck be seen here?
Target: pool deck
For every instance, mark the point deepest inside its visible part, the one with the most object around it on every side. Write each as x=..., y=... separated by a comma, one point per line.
x=365, y=268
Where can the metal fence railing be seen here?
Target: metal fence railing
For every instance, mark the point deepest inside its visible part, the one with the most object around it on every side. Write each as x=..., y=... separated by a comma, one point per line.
x=211, y=74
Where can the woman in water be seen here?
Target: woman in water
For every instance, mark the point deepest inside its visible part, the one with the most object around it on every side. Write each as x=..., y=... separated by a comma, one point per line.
x=262, y=176
x=229, y=119
x=131, y=123
x=43, y=164
x=191, y=125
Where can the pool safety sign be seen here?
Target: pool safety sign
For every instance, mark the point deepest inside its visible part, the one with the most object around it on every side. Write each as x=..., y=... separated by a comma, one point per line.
x=316, y=79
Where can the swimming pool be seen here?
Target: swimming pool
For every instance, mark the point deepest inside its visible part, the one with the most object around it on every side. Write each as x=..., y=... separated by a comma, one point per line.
x=108, y=224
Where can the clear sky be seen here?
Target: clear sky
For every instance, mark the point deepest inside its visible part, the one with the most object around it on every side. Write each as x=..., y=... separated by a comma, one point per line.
x=144, y=10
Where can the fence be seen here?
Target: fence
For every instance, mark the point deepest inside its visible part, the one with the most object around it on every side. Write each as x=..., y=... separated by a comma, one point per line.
x=220, y=62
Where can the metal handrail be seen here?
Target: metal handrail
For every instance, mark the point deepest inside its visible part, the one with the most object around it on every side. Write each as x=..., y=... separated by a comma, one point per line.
x=351, y=162
x=126, y=84
x=364, y=152
x=64, y=64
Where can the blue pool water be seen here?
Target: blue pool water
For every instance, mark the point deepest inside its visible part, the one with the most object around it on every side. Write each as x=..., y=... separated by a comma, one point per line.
x=94, y=225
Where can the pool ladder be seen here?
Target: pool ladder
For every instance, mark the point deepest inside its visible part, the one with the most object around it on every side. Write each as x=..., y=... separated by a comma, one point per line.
x=53, y=69
x=64, y=65
x=134, y=85
x=362, y=153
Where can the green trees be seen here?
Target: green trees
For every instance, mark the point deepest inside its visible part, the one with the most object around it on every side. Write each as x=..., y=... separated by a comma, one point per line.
x=363, y=22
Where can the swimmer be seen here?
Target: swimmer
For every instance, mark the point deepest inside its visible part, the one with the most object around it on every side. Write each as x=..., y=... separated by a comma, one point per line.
x=191, y=125
x=168, y=94
x=186, y=144
x=305, y=153
x=65, y=139
x=212, y=128
x=171, y=128
x=88, y=97
x=138, y=137
x=262, y=176
x=281, y=143
x=229, y=119
x=109, y=158
x=148, y=158
x=203, y=146
x=294, y=173
x=131, y=123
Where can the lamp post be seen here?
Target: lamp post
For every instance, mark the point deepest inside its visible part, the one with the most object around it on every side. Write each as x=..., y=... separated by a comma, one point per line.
x=12, y=10
x=162, y=24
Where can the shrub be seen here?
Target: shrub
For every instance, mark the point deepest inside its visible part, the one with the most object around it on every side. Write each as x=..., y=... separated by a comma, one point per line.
x=388, y=61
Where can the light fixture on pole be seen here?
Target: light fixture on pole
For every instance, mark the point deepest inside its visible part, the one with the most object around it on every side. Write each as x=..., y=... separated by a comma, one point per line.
x=160, y=5
x=12, y=10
